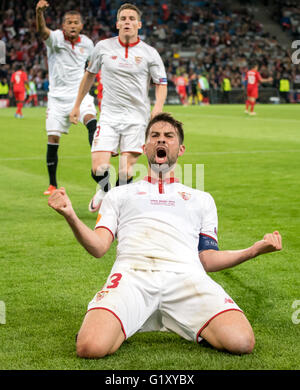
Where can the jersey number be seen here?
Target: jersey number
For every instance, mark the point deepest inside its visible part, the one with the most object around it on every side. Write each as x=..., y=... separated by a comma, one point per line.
x=114, y=279
x=98, y=131
x=251, y=79
x=17, y=79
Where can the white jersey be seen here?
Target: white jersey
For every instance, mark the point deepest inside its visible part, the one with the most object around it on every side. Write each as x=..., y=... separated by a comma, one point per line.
x=158, y=223
x=126, y=72
x=66, y=62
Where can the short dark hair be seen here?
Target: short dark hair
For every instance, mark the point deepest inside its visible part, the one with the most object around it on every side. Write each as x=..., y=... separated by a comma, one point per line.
x=166, y=117
x=72, y=12
x=253, y=64
x=18, y=66
x=129, y=6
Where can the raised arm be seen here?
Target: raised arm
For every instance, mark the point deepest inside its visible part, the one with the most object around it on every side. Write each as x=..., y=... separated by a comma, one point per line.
x=161, y=91
x=96, y=242
x=84, y=87
x=41, y=27
x=213, y=261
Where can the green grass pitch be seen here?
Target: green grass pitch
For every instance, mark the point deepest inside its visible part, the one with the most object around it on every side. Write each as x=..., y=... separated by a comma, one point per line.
x=251, y=168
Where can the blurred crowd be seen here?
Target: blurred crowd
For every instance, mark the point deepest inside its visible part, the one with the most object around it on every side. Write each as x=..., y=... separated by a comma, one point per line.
x=196, y=39
x=287, y=14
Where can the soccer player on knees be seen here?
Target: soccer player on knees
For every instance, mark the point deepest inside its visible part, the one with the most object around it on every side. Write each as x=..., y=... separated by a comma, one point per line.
x=67, y=52
x=167, y=242
x=127, y=64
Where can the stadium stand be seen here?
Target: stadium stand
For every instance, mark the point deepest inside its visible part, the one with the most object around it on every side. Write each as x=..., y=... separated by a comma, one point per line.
x=210, y=38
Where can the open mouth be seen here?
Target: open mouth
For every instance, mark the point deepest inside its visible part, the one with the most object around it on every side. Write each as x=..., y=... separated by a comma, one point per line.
x=161, y=155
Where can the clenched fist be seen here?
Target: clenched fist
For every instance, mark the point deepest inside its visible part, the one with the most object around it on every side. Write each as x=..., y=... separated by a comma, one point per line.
x=270, y=243
x=60, y=202
x=42, y=5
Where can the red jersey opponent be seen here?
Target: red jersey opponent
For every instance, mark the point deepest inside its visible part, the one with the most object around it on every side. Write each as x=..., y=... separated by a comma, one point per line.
x=19, y=81
x=181, y=85
x=253, y=78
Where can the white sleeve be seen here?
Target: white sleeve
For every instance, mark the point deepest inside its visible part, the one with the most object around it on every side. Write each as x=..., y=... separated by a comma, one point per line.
x=52, y=40
x=91, y=48
x=209, y=225
x=95, y=60
x=157, y=69
x=108, y=214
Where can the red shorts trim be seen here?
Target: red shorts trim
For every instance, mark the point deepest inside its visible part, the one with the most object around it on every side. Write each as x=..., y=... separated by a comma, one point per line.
x=113, y=154
x=131, y=151
x=221, y=312
x=104, y=308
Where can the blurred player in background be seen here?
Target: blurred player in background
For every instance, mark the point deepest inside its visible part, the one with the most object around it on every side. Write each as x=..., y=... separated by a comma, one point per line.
x=32, y=93
x=19, y=82
x=68, y=52
x=127, y=64
x=167, y=242
x=193, y=88
x=181, y=83
x=253, y=78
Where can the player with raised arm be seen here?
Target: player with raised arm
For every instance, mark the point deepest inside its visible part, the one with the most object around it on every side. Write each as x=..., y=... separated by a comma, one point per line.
x=167, y=242
x=253, y=78
x=68, y=52
x=127, y=64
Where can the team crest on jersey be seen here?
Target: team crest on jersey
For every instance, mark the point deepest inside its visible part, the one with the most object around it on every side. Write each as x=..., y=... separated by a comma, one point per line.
x=185, y=195
x=114, y=57
x=81, y=50
x=100, y=295
x=138, y=60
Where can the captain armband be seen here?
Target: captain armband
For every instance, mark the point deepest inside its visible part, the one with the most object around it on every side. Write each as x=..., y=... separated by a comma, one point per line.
x=207, y=242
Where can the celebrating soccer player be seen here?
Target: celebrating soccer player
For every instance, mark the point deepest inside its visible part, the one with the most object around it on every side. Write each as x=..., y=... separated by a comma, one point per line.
x=126, y=64
x=167, y=241
x=68, y=52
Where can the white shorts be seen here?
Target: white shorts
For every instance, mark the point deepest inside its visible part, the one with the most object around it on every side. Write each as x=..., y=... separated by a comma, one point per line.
x=58, y=110
x=142, y=301
x=112, y=137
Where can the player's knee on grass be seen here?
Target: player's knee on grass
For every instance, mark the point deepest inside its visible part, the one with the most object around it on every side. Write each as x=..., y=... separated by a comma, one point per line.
x=98, y=347
x=230, y=331
x=240, y=343
x=91, y=348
